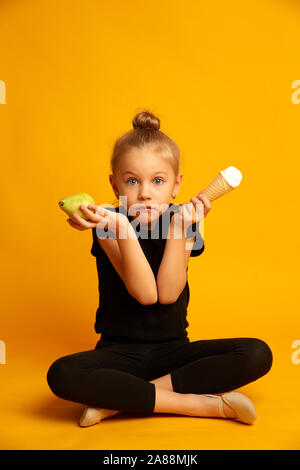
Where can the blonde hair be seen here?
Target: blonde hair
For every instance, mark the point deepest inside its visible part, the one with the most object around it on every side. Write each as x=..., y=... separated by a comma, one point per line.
x=145, y=133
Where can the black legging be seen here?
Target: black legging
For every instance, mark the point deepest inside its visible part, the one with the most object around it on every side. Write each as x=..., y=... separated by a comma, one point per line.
x=115, y=376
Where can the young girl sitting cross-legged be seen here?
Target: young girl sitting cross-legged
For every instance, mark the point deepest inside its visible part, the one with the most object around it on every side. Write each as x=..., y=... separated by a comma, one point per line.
x=144, y=361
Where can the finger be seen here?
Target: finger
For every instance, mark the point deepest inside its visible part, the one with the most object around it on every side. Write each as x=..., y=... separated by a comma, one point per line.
x=185, y=210
x=199, y=207
x=197, y=201
x=94, y=217
x=189, y=206
x=202, y=196
x=194, y=203
x=79, y=220
x=200, y=211
x=91, y=207
x=98, y=210
x=86, y=211
x=101, y=223
x=75, y=217
x=73, y=224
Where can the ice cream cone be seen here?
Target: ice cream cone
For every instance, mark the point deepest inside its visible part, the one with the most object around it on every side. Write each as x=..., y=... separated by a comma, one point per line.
x=224, y=182
x=217, y=188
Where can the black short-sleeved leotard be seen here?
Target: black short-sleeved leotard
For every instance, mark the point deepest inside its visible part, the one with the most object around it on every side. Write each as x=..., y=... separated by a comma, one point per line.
x=120, y=317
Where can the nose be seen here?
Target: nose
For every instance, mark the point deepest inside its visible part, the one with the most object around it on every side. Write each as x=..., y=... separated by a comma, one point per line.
x=144, y=192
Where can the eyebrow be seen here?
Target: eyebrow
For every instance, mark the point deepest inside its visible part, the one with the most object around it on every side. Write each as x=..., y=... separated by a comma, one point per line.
x=156, y=173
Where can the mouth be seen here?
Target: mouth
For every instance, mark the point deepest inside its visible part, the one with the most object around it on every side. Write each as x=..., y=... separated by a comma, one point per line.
x=144, y=208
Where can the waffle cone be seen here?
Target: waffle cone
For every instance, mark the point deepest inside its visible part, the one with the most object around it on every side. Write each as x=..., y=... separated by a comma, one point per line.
x=217, y=188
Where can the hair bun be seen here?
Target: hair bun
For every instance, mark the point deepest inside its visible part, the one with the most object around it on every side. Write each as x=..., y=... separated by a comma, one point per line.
x=146, y=120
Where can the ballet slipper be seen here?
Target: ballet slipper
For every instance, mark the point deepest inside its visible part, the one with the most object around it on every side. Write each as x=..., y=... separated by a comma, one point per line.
x=242, y=405
x=91, y=416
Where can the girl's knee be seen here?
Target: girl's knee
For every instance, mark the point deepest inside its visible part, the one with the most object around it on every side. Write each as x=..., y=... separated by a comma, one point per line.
x=259, y=356
x=57, y=376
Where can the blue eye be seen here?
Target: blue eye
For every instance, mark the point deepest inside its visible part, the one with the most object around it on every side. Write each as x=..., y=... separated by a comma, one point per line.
x=159, y=179
x=131, y=179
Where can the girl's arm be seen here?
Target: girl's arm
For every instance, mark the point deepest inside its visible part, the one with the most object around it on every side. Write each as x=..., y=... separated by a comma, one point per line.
x=137, y=273
x=126, y=255
x=171, y=276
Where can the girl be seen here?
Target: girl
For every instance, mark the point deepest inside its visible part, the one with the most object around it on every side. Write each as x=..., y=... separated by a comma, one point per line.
x=144, y=361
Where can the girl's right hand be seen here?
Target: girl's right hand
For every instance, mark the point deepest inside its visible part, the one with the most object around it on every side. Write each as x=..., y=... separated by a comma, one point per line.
x=98, y=217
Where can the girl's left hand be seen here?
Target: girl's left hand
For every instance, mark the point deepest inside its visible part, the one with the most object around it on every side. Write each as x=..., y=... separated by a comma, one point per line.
x=188, y=214
x=207, y=204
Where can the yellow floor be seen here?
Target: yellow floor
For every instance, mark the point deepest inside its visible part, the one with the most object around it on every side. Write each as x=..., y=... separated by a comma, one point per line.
x=33, y=418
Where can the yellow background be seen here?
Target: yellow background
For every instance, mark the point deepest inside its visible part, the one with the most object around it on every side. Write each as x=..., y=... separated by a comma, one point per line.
x=220, y=78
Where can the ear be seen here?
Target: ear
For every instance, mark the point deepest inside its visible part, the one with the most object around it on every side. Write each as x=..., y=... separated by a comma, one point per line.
x=114, y=185
x=177, y=184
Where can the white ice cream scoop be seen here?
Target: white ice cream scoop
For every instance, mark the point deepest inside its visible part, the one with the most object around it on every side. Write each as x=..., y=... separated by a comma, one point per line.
x=224, y=182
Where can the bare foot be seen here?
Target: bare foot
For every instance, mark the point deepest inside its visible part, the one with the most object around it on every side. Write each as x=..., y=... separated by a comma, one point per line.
x=91, y=416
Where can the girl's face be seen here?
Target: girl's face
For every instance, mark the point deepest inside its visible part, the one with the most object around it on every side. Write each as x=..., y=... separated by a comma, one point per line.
x=145, y=179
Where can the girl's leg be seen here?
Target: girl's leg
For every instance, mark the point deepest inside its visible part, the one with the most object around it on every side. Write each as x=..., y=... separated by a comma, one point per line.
x=71, y=378
x=222, y=365
x=165, y=402
x=92, y=416
x=165, y=382
x=190, y=404
x=77, y=378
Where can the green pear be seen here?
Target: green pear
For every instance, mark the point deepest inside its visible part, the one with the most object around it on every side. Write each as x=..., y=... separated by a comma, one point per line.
x=71, y=204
